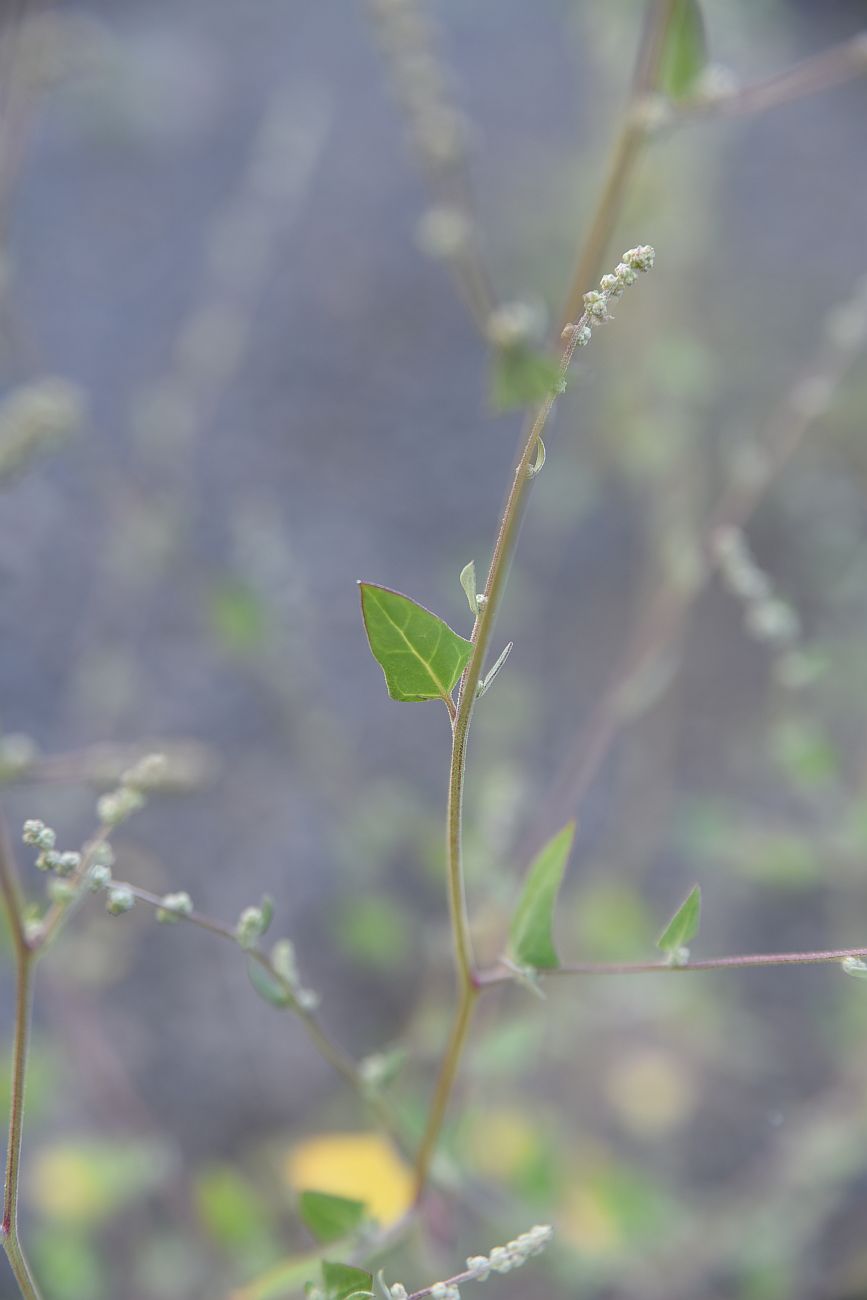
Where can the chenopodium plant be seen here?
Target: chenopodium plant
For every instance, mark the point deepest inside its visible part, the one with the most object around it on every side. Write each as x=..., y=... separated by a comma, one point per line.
x=422, y=659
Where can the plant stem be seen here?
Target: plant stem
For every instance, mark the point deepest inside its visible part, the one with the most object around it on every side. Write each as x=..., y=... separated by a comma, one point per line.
x=445, y=1083
x=624, y=154
x=818, y=72
x=502, y=975
x=24, y=959
x=467, y=980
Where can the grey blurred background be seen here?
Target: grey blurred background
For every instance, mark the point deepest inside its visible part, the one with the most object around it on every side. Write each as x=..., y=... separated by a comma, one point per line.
x=210, y=216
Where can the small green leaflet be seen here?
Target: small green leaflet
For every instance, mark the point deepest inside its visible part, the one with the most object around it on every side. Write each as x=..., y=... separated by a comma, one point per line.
x=265, y=984
x=344, y=1281
x=683, y=926
x=420, y=655
x=684, y=52
x=530, y=938
x=468, y=582
x=854, y=966
x=521, y=376
x=330, y=1217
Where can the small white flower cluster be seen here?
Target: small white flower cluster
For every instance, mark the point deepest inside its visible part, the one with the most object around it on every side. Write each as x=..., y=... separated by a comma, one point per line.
x=114, y=807
x=436, y=128
x=515, y=323
x=502, y=1259
x=767, y=618
x=44, y=838
x=251, y=925
x=283, y=962
x=120, y=899
x=596, y=301
x=174, y=906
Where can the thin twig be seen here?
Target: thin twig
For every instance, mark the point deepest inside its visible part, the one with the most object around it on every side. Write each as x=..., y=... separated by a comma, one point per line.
x=819, y=72
x=505, y=975
x=24, y=960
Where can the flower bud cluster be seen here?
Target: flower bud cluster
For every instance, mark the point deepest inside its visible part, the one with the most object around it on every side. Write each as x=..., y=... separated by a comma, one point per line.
x=502, y=1259
x=767, y=618
x=514, y=324
x=251, y=925
x=44, y=838
x=284, y=963
x=120, y=899
x=174, y=906
x=115, y=806
x=612, y=285
x=436, y=128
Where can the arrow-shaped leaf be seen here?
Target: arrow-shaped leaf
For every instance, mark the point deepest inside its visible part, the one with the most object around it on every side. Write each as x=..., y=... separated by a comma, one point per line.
x=330, y=1217
x=530, y=938
x=420, y=655
x=683, y=926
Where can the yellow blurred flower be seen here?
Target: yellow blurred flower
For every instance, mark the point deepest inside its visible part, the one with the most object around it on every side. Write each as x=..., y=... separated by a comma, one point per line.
x=362, y=1166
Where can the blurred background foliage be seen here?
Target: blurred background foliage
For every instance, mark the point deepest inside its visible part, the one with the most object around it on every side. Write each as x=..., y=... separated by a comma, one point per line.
x=257, y=388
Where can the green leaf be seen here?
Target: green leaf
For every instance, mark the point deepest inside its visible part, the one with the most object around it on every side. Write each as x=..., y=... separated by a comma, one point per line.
x=488, y=680
x=855, y=966
x=468, y=582
x=420, y=655
x=530, y=935
x=344, y=1281
x=684, y=52
x=267, y=986
x=683, y=926
x=521, y=376
x=330, y=1217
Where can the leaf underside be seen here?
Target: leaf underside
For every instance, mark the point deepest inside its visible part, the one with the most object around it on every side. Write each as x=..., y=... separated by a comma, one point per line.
x=420, y=655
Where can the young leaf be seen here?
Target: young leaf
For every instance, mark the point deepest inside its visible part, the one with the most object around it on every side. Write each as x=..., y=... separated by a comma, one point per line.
x=345, y=1282
x=468, y=582
x=530, y=935
x=488, y=680
x=683, y=926
x=420, y=655
x=269, y=988
x=855, y=966
x=684, y=53
x=330, y=1217
x=521, y=376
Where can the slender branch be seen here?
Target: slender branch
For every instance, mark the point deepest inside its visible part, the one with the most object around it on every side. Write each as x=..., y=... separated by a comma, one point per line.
x=503, y=974
x=24, y=959
x=10, y=889
x=819, y=72
x=445, y=1083
x=622, y=159
x=334, y=1055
